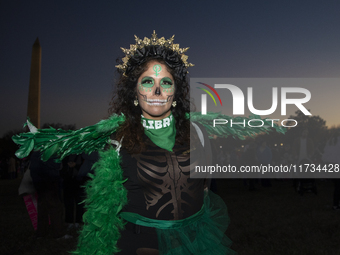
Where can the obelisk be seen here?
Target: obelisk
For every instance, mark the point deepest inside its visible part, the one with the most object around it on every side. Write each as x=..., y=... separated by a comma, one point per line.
x=33, y=107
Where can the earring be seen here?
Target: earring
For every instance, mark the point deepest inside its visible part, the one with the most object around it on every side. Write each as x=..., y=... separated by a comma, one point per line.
x=135, y=102
x=174, y=103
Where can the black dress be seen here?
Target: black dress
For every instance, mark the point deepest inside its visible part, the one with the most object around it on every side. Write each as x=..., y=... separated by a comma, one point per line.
x=159, y=187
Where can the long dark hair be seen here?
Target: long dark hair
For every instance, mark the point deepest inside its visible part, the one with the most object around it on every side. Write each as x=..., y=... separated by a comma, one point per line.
x=125, y=93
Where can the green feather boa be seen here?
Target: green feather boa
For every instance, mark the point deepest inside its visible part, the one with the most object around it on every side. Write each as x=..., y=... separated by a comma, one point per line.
x=94, y=138
x=63, y=143
x=106, y=196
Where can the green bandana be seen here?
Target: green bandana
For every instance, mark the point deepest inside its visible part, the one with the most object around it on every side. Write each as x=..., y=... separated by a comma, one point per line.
x=161, y=132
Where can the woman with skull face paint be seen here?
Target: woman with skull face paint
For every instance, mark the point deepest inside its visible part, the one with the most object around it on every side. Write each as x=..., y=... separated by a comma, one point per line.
x=167, y=212
x=141, y=199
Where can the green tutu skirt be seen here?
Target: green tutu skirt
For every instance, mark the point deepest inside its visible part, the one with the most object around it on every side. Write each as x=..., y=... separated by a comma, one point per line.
x=201, y=234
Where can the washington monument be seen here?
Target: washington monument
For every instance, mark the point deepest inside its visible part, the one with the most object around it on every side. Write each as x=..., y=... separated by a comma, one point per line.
x=33, y=107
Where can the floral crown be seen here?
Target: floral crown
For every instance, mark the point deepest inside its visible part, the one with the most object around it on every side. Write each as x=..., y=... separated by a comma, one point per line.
x=153, y=41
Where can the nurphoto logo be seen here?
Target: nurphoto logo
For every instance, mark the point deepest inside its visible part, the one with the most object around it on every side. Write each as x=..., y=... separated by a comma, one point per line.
x=238, y=99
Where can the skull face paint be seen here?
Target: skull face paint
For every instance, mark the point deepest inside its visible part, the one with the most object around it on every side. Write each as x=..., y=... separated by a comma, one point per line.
x=167, y=85
x=155, y=91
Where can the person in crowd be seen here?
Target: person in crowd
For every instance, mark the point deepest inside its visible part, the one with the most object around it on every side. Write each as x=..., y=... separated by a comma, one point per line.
x=46, y=179
x=249, y=159
x=287, y=157
x=264, y=157
x=303, y=147
x=72, y=192
x=303, y=150
x=167, y=211
x=331, y=155
x=12, y=167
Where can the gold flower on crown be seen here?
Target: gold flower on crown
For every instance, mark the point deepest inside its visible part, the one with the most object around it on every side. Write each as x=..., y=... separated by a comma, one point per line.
x=154, y=40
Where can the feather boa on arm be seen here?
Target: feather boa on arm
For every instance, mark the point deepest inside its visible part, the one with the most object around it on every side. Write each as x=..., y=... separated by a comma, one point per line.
x=62, y=143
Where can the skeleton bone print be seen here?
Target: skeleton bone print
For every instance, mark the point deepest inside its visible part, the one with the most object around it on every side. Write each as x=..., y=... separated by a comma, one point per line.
x=163, y=174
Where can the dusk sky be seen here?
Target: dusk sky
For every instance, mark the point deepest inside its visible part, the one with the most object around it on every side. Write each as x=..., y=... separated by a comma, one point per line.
x=81, y=41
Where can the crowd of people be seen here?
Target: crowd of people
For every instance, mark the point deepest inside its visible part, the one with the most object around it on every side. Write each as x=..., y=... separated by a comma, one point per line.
x=302, y=151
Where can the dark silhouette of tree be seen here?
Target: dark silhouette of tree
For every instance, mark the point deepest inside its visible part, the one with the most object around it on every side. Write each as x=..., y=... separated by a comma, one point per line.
x=7, y=146
x=316, y=126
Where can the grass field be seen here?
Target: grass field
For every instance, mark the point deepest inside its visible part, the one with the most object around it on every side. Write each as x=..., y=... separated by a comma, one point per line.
x=266, y=221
